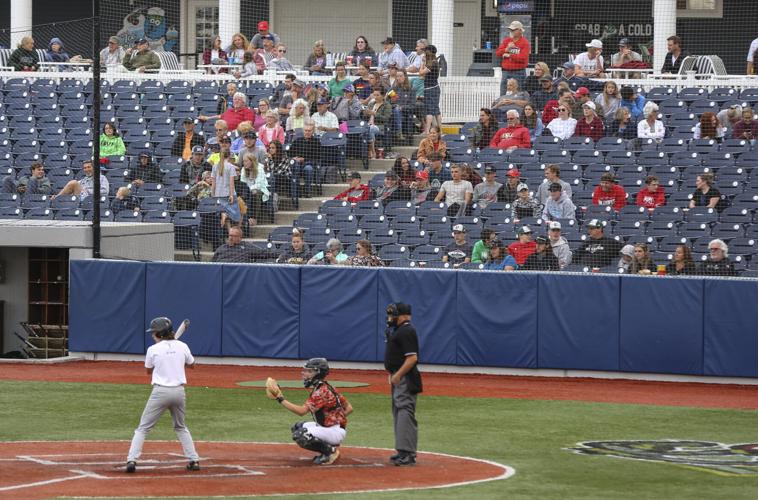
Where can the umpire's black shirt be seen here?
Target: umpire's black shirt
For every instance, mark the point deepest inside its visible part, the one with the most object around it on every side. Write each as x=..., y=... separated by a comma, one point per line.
x=401, y=342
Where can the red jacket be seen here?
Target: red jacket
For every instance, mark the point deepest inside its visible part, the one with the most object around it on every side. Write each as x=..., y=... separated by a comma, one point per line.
x=651, y=200
x=521, y=251
x=233, y=117
x=595, y=129
x=508, y=137
x=361, y=193
x=278, y=134
x=550, y=111
x=519, y=54
x=616, y=197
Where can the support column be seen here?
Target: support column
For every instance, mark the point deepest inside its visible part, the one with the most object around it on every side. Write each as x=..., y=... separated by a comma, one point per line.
x=664, y=26
x=228, y=19
x=21, y=21
x=441, y=30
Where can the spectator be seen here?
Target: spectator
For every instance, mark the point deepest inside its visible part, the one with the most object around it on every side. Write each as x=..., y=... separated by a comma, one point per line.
x=459, y=250
x=608, y=193
x=469, y=174
x=514, y=55
x=224, y=174
x=626, y=258
x=652, y=195
x=200, y=190
x=282, y=97
x=388, y=80
x=622, y=127
x=235, y=250
x=598, y=250
x=532, y=82
x=651, y=127
x=609, y=101
x=485, y=129
x=24, y=58
x=363, y=87
x=673, y=60
x=146, y=171
x=405, y=172
x=524, y=246
x=280, y=62
x=513, y=98
x=236, y=51
x=347, y=106
x=642, y=263
x=332, y=255
x=717, y=263
x=564, y=126
x=552, y=175
x=186, y=140
x=239, y=142
x=499, y=259
x=558, y=205
x=432, y=142
x=279, y=166
x=225, y=101
x=625, y=54
x=215, y=54
x=340, y=80
x=481, y=250
x=750, y=56
x=323, y=119
x=437, y=173
x=271, y=131
x=297, y=252
x=260, y=113
x=421, y=191
x=299, y=115
x=317, y=92
x=457, y=193
x=356, y=191
x=113, y=54
x=316, y=62
x=364, y=256
x=430, y=70
x=403, y=105
x=254, y=188
x=565, y=98
x=486, y=192
x=306, y=151
x=224, y=148
x=193, y=169
x=84, y=186
x=513, y=136
x=141, y=58
x=392, y=190
x=508, y=193
x=706, y=194
x=543, y=258
x=747, y=128
x=570, y=77
x=546, y=92
x=524, y=205
x=590, y=125
x=392, y=53
x=265, y=55
x=559, y=244
x=57, y=53
x=238, y=113
x=249, y=66
x=581, y=97
x=730, y=117
x=248, y=142
x=124, y=201
x=532, y=122
x=263, y=31
x=379, y=117
x=362, y=51
x=681, y=263
x=35, y=183
x=111, y=143
x=635, y=103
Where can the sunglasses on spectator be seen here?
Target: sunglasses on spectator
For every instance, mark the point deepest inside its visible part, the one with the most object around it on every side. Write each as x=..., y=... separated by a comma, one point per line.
x=562, y=109
x=282, y=51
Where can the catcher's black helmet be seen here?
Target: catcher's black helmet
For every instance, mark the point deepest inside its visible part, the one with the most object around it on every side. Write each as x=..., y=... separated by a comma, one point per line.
x=161, y=327
x=320, y=366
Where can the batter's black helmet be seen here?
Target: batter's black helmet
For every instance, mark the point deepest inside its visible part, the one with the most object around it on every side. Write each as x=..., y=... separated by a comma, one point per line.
x=320, y=366
x=161, y=327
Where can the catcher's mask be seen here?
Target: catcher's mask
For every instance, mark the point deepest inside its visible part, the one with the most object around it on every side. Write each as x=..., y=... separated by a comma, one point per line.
x=396, y=309
x=318, y=365
x=161, y=327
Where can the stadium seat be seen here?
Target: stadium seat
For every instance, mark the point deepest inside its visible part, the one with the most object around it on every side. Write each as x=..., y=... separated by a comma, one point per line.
x=381, y=237
x=392, y=251
x=368, y=207
x=40, y=213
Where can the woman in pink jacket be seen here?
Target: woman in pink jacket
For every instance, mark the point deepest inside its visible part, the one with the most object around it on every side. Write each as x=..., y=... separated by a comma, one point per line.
x=271, y=130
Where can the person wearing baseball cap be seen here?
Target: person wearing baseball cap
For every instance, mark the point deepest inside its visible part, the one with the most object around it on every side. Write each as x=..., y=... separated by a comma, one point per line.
x=514, y=56
x=570, y=76
x=560, y=245
x=590, y=64
x=524, y=246
x=392, y=190
x=421, y=191
x=459, y=251
x=508, y=193
x=391, y=53
x=558, y=205
x=486, y=192
x=590, y=125
x=598, y=250
x=543, y=258
x=192, y=169
x=186, y=139
x=625, y=54
x=347, y=106
x=263, y=31
x=140, y=58
x=524, y=205
x=608, y=193
x=356, y=191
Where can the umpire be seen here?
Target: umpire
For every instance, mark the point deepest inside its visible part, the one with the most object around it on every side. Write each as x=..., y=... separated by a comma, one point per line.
x=400, y=360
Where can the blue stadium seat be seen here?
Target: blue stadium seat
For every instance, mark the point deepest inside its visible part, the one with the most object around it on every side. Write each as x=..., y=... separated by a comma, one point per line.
x=368, y=207
x=381, y=237
x=40, y=213
x=69, y=214
x=153, y=216
x=700, y=106
x=395, y=208
x=413, y=239
x=426, y=253
x=11, y=213
x=64, y=202
x=405, y=222
x=391, y=252
x=281, y=234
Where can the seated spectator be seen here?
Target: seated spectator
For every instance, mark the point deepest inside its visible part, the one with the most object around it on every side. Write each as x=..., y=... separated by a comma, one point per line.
x=280, y=61
x=264, y=55
x=356, y=191
x=263, y=31
x=590, y=64
x=238, y=113
x=35, y=183
x=532, y=122
x=249, y=66
x=564, y=126
x=405, y=172
x=545, y=93
x=543, y=258
x=569, y=76
x=239, y=142
x=186, y=140
x=652, y=195
x=625, y=54
x=717, y=263
x=552, y=175
x=524, y=205
x=364, y=84
x=626, y=259
x=558, y=205
x=635, y=103
x=225, y=101
x=623, y=127
x=347, y=106
x=271, y=131
x=642, y=263
x=403, y=100
x=364, y=256
x=459, y=250
x=113, y=54
x=421, y=191
x=57, y=53
x=111, y=143
x=392, y=190
x=456, y=193
x=651, y=127
x=235, y=250
x=260, y=113
x=609, y=101
x=608, y=193
x=550, y=112
x=83, y=187
x=200, y=190
x=316, y=62
x=247, y=141
x=486, y=192
x=193, y=169
x=560, y=246
x=481, y=250
x=141, y=58
x=146, y=171
x=379, y=117
x=306, y=151
x=469, y=174
x=706, y=194
x=437, y=172
x=315, y=93
x=485, y=129
x=512, y=136
x=285, y=94
x=730, y=117
x=278, y=165
x=499, y=259
x=24, y=58
x=590, y=125
x=393, y=53
x=747, y=128
x=299, y=115
x=582, y=97
x=215, y=54
x=362, y=51
x=514, y=98
x=508, y=192
x=254, y=186
x=324, y=120
x=682, y=263
x=340, y=80
x=417, y=58
x=675, y=55
x=332, y=255
x=124, y=201
x=235, y=52
x=297, y=252
x=598, y=250
x=532, y=82
x=524, y=246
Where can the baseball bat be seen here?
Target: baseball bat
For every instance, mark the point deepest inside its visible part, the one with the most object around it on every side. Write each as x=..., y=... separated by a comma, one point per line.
x=181, y=329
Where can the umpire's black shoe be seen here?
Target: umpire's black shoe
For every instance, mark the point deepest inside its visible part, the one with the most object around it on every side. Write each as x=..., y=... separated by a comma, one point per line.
x=193, y=465
x=131, y=467
x=395, y=457
x=403, y=460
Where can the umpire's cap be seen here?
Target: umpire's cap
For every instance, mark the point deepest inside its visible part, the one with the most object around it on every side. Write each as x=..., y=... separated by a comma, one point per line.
x=161, y=327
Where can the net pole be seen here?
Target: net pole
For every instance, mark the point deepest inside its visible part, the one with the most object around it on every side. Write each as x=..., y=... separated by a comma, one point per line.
x=96, y=128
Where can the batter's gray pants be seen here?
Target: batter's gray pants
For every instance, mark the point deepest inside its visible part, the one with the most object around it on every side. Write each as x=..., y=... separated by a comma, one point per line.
x=404, y=417
x=162, y=399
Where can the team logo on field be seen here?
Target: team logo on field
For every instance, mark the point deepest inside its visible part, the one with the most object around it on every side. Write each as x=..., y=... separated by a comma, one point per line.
x=725, y=459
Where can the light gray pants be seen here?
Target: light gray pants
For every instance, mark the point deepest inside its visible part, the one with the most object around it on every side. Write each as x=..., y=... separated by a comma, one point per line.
x=404, y=417
x=162, y=399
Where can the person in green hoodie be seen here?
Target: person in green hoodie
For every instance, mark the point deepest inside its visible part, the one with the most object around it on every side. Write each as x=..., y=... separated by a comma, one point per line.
x=481, y=250
x=111, y=143
x=24, y=58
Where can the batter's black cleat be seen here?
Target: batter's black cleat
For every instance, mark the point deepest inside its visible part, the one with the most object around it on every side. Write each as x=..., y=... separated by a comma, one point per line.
x=404, y=460
x=193, y=465
x=131, y=467
x=327, y=459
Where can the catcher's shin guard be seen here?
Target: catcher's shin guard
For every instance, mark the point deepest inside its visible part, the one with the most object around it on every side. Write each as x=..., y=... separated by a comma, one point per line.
x=304, y=439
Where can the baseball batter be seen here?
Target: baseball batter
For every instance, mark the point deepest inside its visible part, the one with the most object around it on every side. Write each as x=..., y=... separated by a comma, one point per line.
x=165, y=362
x=328, y=407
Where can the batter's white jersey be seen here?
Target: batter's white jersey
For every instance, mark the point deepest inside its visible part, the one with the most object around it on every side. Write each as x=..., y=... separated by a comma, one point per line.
x=167, y=359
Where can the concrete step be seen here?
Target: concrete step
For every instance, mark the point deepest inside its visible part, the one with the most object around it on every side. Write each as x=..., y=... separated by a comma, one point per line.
x=376, y=164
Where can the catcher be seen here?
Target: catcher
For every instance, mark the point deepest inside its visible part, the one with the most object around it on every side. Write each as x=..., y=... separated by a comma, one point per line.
x=328, y=408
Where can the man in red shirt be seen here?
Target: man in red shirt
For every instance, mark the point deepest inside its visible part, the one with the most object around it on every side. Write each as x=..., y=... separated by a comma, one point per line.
x=652, y=195
x=524, y=247
x=609, y=193
x=238, y=113
x=514, y=54
x=513, y=136
x=356, y=191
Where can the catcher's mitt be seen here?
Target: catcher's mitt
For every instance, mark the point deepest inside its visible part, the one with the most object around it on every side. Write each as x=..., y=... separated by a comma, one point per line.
x=272, y=389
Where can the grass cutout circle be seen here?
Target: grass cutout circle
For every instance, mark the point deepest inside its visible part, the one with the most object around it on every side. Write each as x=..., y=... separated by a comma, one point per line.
x=298, y=384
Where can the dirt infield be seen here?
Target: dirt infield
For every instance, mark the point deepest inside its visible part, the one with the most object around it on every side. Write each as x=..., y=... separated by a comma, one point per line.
x=435, y=384
x=43, y=469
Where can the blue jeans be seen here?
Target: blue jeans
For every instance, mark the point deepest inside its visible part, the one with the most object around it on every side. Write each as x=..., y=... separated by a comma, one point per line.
x=397, y=119
x=305, y=171
x=519, y=75
x=373, y=131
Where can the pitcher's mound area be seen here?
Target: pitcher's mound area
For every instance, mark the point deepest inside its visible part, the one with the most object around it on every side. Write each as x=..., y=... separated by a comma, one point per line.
x=42, y=469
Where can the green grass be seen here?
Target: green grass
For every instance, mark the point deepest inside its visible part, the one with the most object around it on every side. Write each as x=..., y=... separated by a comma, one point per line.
x=527, y=435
